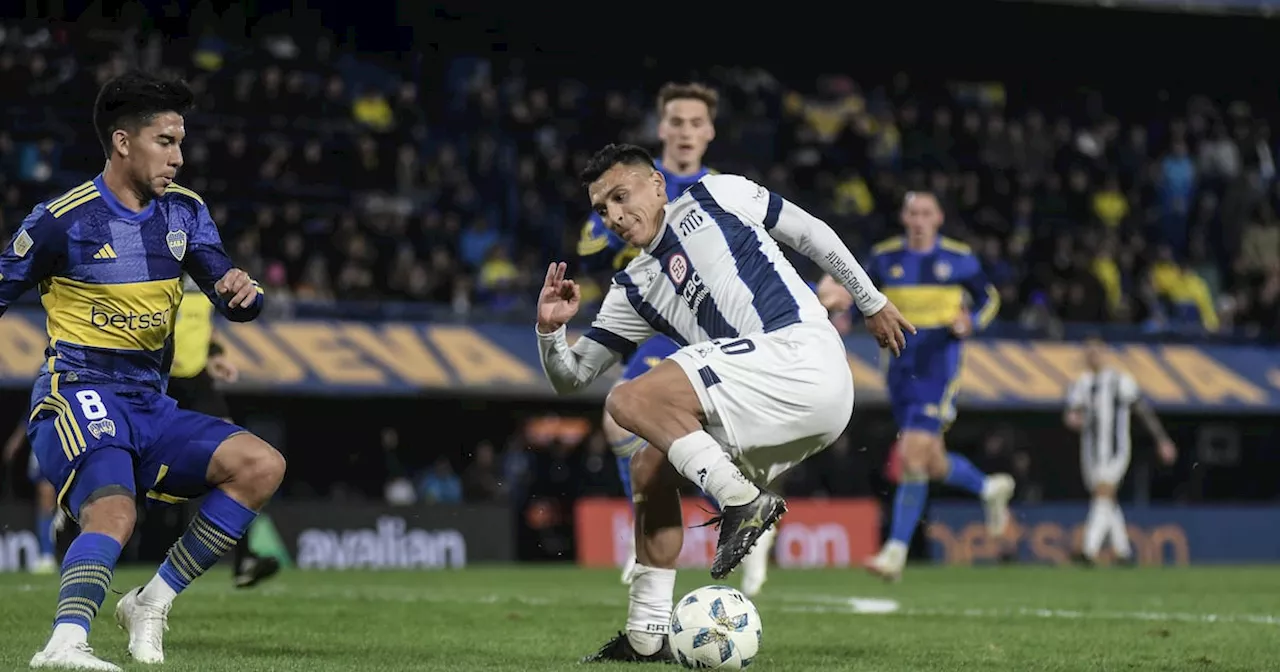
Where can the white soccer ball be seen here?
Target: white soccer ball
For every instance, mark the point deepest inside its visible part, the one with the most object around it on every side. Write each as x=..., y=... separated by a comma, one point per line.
x=715, y=627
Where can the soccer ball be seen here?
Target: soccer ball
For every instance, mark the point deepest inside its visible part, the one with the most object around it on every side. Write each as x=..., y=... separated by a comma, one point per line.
x=715, y=627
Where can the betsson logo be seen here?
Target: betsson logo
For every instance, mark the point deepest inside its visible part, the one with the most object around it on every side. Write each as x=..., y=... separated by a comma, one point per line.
x=390, y=546
x=129, y=321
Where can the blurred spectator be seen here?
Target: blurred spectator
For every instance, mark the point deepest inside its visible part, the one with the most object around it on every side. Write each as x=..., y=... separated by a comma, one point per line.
x=440, y=485
x=481, y=481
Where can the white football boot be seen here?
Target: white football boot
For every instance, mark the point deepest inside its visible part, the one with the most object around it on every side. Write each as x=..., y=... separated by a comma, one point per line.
x=70, y=656
x=997, y=490
x=889, y=563
x=755, y=567
x=45, y=564
x=146, y=624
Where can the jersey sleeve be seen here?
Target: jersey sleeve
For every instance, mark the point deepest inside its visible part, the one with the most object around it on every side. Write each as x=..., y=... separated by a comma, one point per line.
x=1130, y=393
x=983, y=294
x=1076, y=394
x=618, y=326
x=207, y=262
x=35, y=253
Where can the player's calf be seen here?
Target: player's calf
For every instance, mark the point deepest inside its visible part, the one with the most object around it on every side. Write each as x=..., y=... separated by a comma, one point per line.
x=246, y=471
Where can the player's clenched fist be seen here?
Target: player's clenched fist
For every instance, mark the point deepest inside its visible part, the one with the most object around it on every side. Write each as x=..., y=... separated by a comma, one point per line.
x=558, y=302
x=237, y=288
x=887, y=326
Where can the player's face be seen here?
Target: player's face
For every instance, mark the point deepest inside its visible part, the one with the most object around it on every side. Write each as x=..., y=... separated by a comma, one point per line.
x=921, y=216
x=154, y=153
x=1094, y=351
x=630, y=200
x=685, y=130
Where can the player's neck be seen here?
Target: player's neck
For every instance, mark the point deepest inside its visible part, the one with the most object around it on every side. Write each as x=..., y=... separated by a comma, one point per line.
x=122, y=188
x=685, y=169
x=925, y=244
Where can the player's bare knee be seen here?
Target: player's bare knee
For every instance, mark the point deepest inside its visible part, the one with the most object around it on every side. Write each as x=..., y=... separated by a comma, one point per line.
x=917, y=453
x=1104, y=491
x=248, y=467
x=628, y=405
x=110, y=511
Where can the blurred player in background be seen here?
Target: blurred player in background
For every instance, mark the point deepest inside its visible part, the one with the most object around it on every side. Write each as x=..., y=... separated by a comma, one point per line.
x=686, y=127
x=47, y=517
x=1098, y=405
x=939, y=286
x=198, y=362
x=109, y=256
x=760, y=383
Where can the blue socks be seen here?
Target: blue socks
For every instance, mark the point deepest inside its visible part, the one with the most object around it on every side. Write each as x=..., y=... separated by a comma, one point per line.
x=44, y=533
x=86, y=575
x=908, y=506
x=964, y=475
x=911, y=496
x=624, y=474
x=216, y=529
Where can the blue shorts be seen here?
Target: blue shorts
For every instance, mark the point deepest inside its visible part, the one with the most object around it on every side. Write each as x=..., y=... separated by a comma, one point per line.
x=648, y=355
x=922, y=393
x=90, y=436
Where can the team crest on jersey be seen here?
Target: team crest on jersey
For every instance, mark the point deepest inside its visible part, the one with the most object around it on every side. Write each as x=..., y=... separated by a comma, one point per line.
x=896, y=271
x=177, y=241
x=22, y=244
x=678, y=268
x=942, y=270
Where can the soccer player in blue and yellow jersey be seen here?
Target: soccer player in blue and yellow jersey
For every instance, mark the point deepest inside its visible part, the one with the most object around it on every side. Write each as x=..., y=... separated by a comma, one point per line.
x=108, y=257
x=940, y=287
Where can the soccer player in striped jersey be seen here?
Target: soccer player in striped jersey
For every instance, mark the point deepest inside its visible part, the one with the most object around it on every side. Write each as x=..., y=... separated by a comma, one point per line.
x=941, y=289
x=761, y=380
x=108, y=257
x=686, y=127
x=1098, y=406
x=47, y=520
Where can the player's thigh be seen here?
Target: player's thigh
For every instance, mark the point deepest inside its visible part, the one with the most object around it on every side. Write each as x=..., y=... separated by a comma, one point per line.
x=177, y=465
x=772, y=390
x=68, y=426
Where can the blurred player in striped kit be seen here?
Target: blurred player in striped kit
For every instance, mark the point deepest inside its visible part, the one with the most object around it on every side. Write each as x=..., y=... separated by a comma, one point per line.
x=48, y=519
x=1098, y=407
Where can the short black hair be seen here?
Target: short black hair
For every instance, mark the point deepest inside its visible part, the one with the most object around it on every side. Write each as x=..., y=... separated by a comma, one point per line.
x=133, y=99
x=612, y=155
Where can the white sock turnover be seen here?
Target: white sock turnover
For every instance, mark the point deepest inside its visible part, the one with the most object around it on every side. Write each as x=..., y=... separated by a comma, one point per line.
x=699, y=458
x=649, y=614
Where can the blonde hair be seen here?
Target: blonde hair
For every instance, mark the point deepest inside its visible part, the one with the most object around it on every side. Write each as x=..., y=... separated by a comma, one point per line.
x=691, y=91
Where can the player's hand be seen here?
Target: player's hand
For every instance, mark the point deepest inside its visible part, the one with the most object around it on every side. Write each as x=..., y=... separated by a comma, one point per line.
x=1074, y=420
x=887, y=326
x=558, y=302
x=237, y=288
x=222, y=369
x=1167, y=451
x=963, y=326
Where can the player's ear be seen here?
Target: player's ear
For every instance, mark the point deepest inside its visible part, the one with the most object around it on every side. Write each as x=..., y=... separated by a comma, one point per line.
x=120, y=141
x=660, y=181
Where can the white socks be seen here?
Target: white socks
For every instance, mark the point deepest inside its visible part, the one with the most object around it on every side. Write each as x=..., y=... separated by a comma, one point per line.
x=157, y=592
x=649, y=615
x=699, y=458
x=1105, y=520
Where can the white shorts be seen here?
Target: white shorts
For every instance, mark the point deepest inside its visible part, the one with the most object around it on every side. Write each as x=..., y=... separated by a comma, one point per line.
x=1109, y=470
x=773, y=399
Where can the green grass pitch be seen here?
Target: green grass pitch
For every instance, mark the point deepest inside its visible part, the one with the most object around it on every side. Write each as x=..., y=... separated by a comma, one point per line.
x=507, y=618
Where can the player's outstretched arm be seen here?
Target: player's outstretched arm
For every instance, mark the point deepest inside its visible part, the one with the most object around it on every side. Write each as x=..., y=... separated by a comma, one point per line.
x=613, y=334
x=32, y=256
x=1165, y=448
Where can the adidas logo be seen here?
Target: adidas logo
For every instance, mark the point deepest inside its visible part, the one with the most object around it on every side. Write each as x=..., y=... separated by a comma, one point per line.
x=105, y=253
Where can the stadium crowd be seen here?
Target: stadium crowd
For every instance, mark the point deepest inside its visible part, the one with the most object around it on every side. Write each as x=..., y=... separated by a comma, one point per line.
x=336, y=178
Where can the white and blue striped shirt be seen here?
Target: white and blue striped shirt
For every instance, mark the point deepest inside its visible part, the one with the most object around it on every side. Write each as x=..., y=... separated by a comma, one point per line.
x=714, y=271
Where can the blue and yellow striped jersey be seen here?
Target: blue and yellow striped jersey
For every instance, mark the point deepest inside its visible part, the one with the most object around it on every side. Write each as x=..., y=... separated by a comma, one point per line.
x=932, y=288
x=602, y=249
x=110, y=280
